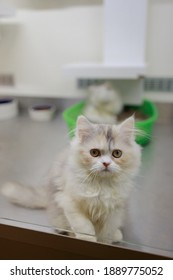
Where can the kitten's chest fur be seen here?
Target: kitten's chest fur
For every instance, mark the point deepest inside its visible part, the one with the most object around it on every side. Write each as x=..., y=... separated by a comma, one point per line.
x=106, y=200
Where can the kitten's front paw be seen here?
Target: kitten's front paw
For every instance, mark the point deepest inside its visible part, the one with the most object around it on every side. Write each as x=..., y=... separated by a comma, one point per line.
x=86, y=237
x=118, y=236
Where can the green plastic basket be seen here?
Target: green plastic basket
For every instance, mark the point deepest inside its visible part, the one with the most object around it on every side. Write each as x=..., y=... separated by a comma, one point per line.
x=146, y=126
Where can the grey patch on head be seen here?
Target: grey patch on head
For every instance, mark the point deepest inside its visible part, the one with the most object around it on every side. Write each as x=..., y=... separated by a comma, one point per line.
x=109, y=137
x=108, y=133
x=101, y=129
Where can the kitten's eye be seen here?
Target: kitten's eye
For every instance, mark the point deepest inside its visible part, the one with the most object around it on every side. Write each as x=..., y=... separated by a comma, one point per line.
x=95, y=152
x=117, y=153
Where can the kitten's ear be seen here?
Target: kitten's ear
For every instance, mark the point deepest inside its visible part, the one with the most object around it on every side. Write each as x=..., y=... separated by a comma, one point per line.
x=127, y=129
x=83, y=128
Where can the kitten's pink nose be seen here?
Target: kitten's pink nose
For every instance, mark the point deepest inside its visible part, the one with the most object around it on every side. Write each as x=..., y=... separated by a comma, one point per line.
x=106, y=164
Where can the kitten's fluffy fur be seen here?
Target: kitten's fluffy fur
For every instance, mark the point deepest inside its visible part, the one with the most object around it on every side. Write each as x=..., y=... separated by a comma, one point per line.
x=103, y=104
x=87, y=194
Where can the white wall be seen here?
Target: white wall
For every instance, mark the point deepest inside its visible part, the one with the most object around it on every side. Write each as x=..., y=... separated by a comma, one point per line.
x=72, y=31
x=159, y=52
x=36, y=50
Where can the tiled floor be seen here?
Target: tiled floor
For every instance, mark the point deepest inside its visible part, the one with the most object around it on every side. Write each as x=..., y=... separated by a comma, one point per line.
x=27, y=149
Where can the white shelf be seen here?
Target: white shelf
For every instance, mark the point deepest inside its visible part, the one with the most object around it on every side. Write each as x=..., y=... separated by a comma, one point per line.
x=131, y=91
x=26, y=91
x=102, y=71
x=34, y=91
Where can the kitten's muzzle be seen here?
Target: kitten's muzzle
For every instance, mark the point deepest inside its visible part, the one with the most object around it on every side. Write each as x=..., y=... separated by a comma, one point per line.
x=106, y=164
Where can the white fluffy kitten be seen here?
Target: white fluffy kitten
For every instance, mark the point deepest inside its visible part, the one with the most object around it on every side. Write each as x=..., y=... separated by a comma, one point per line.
x=89, y=185
x=103, y=104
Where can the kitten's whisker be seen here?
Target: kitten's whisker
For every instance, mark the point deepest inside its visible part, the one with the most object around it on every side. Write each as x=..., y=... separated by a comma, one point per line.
x=88, y=176
x=95, y=176
x=72, y=132
x=142, y=133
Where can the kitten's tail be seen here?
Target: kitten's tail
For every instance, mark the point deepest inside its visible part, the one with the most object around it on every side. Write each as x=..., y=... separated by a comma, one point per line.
x=28, y=197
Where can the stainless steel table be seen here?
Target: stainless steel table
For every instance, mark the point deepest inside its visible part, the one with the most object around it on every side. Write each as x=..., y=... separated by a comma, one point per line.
x=27, y=149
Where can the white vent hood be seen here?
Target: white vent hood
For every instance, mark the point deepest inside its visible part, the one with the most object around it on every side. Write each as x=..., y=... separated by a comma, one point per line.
x=124, y=43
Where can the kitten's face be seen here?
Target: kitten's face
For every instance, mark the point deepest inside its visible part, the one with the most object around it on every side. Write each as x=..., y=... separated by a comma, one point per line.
x=102, y=95
x=105, y=150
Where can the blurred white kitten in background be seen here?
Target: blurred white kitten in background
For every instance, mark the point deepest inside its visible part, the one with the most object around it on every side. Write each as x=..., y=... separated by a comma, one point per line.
x=103, y=104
